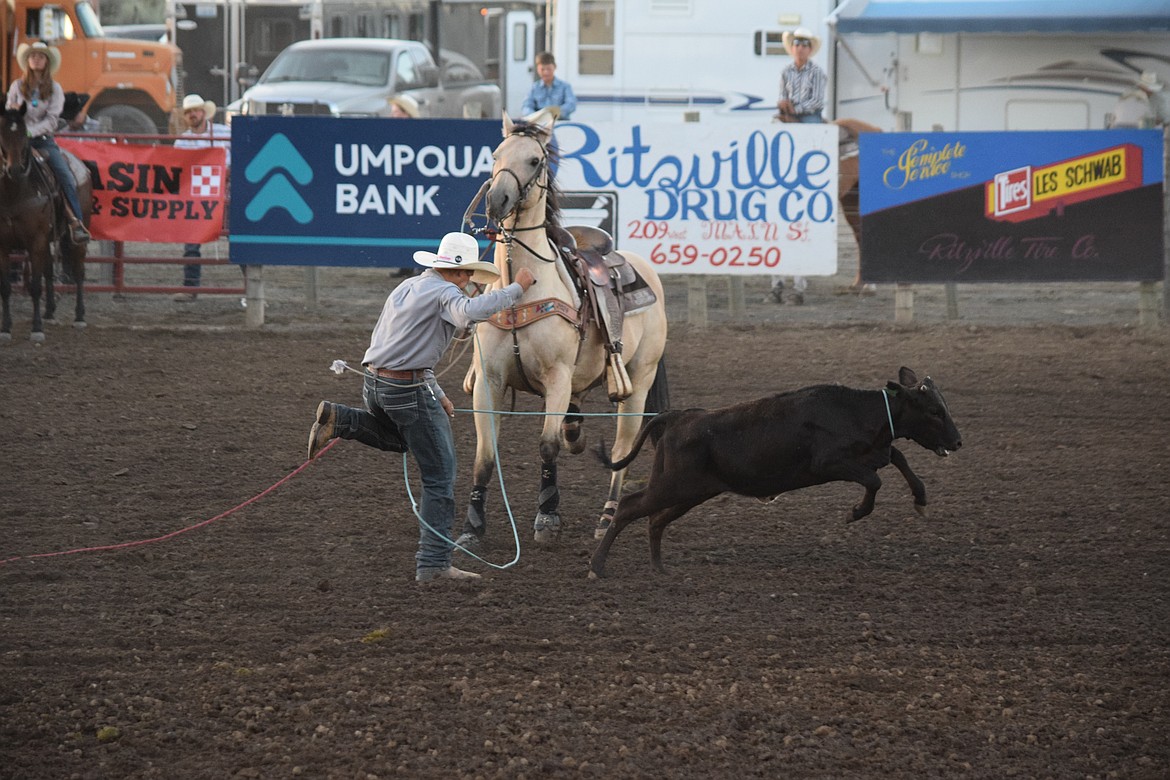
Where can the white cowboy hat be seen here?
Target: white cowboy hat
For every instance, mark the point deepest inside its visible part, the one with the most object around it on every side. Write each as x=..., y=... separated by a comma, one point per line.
x=800, y=32
x=407, y=103
x=459, y=251
x=197, y=101
x=1149, y=80
x=52, y=52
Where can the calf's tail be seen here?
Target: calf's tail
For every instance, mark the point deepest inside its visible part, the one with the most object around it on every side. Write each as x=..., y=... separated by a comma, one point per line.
x=652, y=429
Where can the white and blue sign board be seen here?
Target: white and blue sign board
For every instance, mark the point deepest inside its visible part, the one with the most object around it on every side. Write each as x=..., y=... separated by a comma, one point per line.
x=352, y=192
x=691, y=198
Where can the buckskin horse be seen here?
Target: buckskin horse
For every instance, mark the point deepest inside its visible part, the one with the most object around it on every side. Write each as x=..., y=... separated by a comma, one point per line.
x=32, y=218
x=554, y=342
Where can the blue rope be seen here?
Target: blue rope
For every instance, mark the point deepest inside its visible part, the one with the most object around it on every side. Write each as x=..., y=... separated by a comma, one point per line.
x=889, y=416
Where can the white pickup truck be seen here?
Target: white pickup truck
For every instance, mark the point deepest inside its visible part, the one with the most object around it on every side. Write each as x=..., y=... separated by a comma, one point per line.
x=358, y=77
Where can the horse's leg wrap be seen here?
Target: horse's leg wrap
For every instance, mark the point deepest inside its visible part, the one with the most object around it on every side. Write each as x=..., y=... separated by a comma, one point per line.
x=606, y=519
x=476, y=522
x=550, y=494
x=571, y=430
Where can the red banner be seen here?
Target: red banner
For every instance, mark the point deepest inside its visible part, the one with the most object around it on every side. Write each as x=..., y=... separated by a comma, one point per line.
x=154, y=193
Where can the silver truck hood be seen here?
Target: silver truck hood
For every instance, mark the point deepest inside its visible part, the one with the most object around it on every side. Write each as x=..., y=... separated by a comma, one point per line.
x=298, y=97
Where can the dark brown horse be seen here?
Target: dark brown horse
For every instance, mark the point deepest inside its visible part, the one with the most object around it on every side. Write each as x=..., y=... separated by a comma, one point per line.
x=32, y=218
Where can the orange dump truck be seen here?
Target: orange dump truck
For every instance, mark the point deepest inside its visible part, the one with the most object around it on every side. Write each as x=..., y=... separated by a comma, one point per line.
x=132, y=84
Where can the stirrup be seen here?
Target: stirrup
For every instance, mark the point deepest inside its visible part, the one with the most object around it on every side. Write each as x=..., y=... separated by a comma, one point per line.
x=617, y=380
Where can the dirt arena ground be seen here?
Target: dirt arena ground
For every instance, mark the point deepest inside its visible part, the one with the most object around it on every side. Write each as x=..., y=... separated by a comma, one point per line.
x=1022, y=630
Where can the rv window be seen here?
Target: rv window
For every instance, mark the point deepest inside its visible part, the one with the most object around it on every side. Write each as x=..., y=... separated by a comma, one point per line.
x=769, y=43
x=596, y=35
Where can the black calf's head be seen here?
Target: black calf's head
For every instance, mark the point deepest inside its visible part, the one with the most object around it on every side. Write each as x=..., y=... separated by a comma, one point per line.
x=925, y=417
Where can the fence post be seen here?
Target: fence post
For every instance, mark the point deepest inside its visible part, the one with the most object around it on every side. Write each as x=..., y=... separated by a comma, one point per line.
x=697, y=299
x=254, y=295
x=736, y=306
x=903, y=303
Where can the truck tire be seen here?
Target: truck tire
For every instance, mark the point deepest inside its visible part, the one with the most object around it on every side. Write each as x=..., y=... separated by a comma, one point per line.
x=127, y=119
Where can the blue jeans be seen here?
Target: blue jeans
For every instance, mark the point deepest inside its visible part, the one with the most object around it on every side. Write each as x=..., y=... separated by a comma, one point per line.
x=424, y=426
x=48, y=147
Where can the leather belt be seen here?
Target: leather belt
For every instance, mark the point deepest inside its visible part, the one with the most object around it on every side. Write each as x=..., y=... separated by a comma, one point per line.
x=390, y=373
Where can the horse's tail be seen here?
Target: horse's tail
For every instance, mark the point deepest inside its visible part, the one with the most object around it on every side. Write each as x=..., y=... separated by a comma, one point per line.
x=658, y=398
x=652, y=429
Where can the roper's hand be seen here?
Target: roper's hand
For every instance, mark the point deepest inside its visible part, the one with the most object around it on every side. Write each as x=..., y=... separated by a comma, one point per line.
x=448, y=407
x=525, y=278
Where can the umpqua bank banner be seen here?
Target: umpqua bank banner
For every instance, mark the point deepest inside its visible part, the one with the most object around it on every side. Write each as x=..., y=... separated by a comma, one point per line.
x=352, y=192
x=1012, y=206
x=705, y=198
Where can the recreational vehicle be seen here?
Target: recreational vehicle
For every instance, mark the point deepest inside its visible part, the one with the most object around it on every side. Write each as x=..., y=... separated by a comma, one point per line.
x=679, y=60
x=1035, y=65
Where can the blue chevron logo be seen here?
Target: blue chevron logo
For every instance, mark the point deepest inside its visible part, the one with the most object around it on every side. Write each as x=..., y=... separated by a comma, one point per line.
x=281, y=159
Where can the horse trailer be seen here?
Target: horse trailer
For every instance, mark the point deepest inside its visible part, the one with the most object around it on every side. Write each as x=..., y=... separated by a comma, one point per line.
x=227, y=44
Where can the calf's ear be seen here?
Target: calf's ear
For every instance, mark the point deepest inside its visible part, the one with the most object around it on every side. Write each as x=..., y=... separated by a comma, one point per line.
x=907, y=377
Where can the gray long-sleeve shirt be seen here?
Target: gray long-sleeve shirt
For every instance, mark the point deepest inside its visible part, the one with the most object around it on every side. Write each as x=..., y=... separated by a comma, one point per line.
x=42, y=117
x=420, y=318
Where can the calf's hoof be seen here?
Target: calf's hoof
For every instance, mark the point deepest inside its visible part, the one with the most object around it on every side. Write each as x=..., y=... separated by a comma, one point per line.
x=80, y=324
x=5, y=337
x=36, y=338
x=595, y=575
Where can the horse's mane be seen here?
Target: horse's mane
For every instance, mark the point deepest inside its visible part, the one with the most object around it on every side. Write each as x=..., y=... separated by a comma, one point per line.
x=552, y=199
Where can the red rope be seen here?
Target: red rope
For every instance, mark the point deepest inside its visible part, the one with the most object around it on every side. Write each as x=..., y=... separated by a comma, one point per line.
x=173, y=534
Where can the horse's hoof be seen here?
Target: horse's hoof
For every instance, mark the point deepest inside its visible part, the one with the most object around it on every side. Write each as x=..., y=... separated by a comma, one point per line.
x=921, y=510
x=36, y=338
x=81, y=324
x=469, y=542
x=5, y=337
x=51, y=321
x=576, y=446
x=546, y=529
x=545, y=536
x=601, y=529
x=593, y=575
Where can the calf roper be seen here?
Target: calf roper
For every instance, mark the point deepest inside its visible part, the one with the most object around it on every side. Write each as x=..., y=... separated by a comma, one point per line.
x=769, y=446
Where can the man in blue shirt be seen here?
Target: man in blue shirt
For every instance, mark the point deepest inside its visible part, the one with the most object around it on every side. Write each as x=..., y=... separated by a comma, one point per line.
x=549, y=91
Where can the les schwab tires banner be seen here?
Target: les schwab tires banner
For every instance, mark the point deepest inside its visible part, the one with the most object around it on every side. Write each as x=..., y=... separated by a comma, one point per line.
x=1012, y=206
x=154, y=193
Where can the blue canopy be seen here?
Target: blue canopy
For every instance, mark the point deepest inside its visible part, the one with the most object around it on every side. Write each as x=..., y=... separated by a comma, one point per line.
x=1001, y=16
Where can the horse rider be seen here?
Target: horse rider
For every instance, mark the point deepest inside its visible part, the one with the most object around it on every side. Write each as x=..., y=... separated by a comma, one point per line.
x=44, y=99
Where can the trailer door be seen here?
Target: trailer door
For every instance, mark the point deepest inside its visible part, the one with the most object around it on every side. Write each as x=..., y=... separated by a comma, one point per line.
x=511, y=37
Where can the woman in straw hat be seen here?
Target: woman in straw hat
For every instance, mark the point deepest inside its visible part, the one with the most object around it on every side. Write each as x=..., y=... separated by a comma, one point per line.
x=44, y=99
x=405, y=407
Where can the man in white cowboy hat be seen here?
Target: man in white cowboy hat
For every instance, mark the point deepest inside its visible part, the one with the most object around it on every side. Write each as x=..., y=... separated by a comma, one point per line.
x=201, y=133
x=405, y=409
x=43, y=99
x=803, y=85
x=1140, y=106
